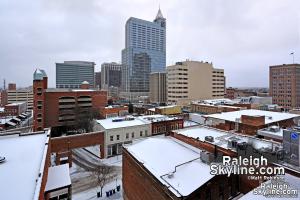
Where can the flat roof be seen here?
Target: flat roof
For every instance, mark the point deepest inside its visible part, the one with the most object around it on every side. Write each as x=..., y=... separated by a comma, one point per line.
x=157, y=118
x=22, y=171
x=293, y=181
x=109, y=124
x=278, y=134
x=221, y=138
x=270, y=116
x=187, y=178
x=69, y=90
x=58, y=177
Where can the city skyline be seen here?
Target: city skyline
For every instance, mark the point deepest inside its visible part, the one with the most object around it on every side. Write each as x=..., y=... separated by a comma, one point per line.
x=244, y=42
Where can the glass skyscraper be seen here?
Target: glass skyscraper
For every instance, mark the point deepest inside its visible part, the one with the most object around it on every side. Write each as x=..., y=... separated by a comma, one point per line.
x=144, y=53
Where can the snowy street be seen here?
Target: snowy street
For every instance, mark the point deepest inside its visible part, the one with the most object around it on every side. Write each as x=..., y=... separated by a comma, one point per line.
x=84, y=184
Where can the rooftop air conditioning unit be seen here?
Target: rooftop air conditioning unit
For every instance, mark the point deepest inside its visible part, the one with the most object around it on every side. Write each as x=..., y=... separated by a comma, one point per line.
x=232, y=143
x=206, y=157
x=209, y=138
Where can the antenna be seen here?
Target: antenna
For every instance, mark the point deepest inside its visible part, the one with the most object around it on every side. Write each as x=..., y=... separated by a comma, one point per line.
x=4, y=84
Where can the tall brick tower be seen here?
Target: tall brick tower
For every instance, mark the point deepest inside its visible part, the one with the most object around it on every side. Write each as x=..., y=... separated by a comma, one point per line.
x=40, y=84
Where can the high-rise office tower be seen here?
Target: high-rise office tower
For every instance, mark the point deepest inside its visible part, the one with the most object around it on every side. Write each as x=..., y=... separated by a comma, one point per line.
x=285, y=85
x=158, y=87
x=193, y=80
x=145, y=52
x=70, y=74
x=111, y=75
x=98, y=80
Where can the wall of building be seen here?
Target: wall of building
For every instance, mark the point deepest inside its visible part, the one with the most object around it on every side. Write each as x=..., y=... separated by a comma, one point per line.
x=158, y=87
x=193, y=80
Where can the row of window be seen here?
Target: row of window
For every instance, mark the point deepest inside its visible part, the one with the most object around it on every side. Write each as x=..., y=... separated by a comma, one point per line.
x=112, y=138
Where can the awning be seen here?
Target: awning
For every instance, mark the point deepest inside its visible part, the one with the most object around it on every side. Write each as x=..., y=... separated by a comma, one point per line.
x=58, y=178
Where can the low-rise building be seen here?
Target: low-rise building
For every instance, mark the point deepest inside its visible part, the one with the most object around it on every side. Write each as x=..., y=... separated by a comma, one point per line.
x=165, y=168
x=120, y=130
x=31, y=176
x=250, y=121
x=162, y=124
x=113, y=111
x=15, y=109
x=165, y=110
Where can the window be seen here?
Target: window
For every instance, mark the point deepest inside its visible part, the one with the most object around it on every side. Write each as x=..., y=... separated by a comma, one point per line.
x=118, y=137
x=146, y=132
x=109, y=150
x=111, y=138
x=127, y=135
x=141, y=133
x=132, y=134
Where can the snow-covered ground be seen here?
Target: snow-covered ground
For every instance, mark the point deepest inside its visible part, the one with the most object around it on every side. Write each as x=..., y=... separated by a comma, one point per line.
x=84, y=185
x=91, y=194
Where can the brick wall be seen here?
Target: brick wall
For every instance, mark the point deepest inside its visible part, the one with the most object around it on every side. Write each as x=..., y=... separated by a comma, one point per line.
x=253, y=120
x=66, y=143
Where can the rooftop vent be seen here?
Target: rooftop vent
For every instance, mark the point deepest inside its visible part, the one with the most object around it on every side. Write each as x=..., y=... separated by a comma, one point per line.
x=209, y=138
x=171, y=175
x=2, y=159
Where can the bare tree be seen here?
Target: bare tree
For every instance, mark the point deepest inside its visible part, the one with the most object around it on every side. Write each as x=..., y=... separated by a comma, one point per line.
x=103, y=174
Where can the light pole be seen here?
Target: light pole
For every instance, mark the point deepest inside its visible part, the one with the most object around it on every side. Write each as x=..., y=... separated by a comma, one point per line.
x=293, y=57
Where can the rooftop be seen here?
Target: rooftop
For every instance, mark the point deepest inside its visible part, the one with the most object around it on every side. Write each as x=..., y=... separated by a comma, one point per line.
x=293, y=181
x=157, y=118
x=22, y=171
x=121, y=122
x=182, y=182
x=270, y=116
x=58, y=177
x=68, y=90
x=214, y=101
x=221, y=138
x=274, y=132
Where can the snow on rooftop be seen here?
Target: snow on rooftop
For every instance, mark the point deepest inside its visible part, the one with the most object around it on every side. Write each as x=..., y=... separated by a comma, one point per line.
x=5, y=120
x=110, y=124
x=270, y=117
x=200, y=132
x=293, y=181
x=24, y=158
x=272, y=133
x=58, y=177
x=221, y=138
x=187, y=178
x=156, y=118
x=1, y=109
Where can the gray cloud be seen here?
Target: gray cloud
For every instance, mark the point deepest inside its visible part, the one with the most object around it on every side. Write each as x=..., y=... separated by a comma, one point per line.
x=243, y=37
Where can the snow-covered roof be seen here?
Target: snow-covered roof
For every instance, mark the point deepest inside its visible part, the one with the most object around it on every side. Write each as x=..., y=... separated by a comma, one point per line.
x=5, y=119
x=221, y=137
x=187, y=178
x=110, y=123
x=214, y=101
x=58, y=177
x=293, y=181
x=21, y=173
x=1, y=109
x=272, y=133
x=156, y=118
x=270, y=117
x=16, y=103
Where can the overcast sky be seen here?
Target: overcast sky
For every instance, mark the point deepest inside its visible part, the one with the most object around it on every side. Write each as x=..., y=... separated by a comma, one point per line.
x=244, y=37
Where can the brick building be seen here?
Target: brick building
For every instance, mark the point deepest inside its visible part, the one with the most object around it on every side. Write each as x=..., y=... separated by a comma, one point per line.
x=12, y=86
x=3, y=98
x=15, y=109
x=250, y=121
x=177, y=173
x=162, y=124
x=284, y=85
x=211, y=109
x=59, y=107
x=113, y=111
